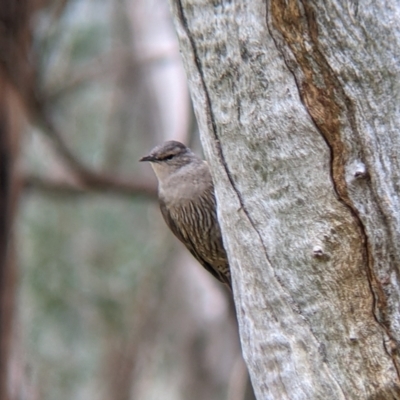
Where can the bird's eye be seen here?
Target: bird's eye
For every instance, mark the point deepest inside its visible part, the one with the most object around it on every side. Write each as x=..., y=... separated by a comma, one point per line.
x=169, y=157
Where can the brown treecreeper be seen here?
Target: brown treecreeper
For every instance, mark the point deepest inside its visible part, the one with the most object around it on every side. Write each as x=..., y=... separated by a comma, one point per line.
x=187, y=202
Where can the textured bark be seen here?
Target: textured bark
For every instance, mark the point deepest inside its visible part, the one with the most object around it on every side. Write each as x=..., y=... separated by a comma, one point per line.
x=298, y=107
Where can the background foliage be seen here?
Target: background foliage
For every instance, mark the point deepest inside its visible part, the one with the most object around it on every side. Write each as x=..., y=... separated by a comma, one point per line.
x=109, y=304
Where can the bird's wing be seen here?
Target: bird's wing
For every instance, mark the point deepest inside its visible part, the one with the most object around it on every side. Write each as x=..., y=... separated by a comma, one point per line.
x=187, y=241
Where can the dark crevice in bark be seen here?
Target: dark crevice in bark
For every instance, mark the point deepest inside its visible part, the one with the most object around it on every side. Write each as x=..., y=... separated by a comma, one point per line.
x=5, y=174
x=326, y=103
x=212, y=119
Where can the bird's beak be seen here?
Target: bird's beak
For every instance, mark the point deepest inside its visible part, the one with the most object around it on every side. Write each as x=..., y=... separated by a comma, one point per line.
x=148, y=158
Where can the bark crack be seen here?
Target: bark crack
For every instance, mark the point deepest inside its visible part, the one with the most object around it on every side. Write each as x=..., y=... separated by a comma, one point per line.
x=325, y=104
x=221, y=156
x=212, y=119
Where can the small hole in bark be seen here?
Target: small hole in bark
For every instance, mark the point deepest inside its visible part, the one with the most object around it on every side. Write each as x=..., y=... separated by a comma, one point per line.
x=360, y=171
x=318, y=252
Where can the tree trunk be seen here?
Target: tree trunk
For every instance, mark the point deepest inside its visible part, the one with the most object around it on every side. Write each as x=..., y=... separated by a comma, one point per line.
x=9, y=133
x=15, y=74
x=298, y=107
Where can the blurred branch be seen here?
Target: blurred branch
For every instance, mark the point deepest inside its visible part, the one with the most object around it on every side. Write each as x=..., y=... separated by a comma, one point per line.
x=59, y=9
x=36, y=104
x=88, y=179
x=92, y=70
x=99, y=67
x=110, y=186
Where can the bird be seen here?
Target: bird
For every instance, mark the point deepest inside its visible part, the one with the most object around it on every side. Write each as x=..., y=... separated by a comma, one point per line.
x=187, y=203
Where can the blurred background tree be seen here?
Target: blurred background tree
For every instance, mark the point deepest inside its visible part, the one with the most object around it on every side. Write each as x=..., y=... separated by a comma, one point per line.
x=108, y=304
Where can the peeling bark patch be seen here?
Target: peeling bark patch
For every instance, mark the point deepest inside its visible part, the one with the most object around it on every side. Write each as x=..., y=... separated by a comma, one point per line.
x=328, y=107
x=318, y=88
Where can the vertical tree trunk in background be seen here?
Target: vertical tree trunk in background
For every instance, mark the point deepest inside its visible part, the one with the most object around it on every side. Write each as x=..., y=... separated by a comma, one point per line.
x=298, y=105
x=9, y=132
x=14, y=85
x=5, y=265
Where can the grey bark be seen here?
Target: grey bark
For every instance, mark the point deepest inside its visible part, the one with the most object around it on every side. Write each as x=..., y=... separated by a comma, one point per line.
x=298, y=108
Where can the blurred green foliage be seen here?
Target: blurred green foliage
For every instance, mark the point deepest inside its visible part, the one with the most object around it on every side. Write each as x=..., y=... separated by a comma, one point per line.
x=82, y=258
x=81, y=263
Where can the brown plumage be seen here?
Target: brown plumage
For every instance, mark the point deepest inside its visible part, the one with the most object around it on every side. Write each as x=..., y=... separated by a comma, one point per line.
x=187, y=202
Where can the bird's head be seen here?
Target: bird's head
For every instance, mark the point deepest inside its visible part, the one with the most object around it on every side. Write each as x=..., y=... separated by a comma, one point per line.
x=169, y=157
